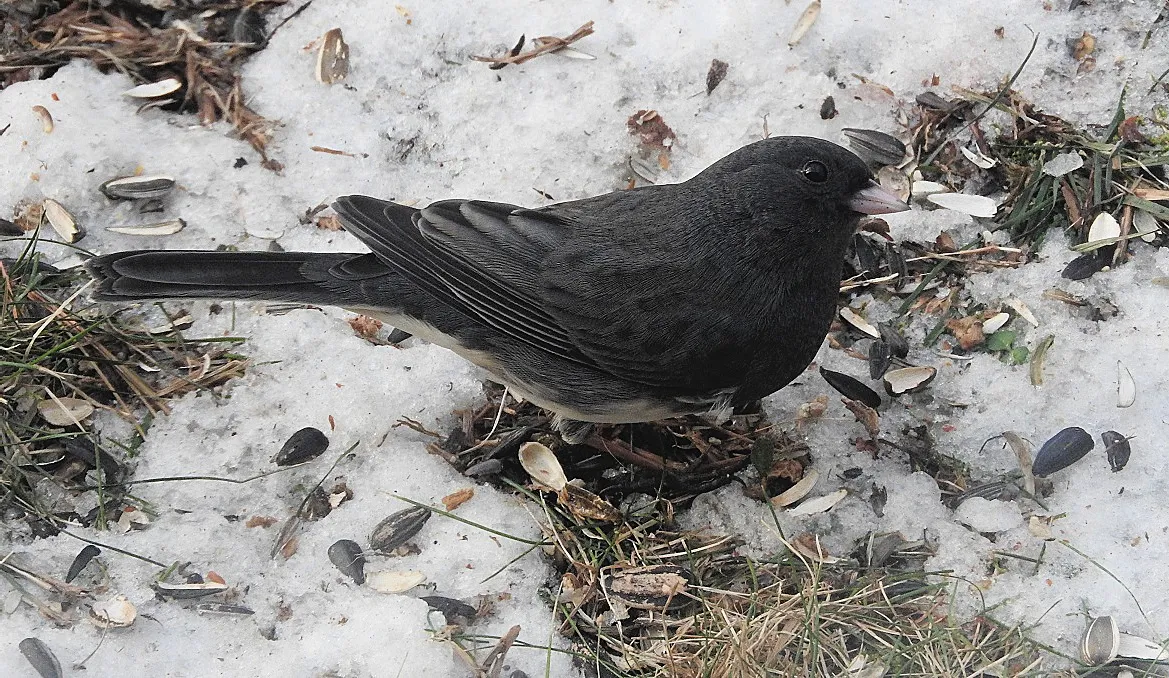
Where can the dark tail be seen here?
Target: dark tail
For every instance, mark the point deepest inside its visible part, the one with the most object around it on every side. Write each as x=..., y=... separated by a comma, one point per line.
x=299, y=277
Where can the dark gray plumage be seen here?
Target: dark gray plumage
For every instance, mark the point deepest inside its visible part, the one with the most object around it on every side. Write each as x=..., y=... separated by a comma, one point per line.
x=631, y=306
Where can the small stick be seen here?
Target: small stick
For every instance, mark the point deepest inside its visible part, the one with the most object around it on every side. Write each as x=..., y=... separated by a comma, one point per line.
x=543, y=44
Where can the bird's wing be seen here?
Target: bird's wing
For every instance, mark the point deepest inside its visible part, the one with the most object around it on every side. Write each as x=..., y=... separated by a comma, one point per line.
x=651, y=291
x=481, y=259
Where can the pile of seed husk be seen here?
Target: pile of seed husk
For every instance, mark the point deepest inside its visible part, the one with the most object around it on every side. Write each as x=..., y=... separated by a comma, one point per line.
x=187, y=56
x=640, y=596
x=67, y=364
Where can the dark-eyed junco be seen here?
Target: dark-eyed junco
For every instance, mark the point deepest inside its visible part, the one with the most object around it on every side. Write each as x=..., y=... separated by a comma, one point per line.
x=631, y=306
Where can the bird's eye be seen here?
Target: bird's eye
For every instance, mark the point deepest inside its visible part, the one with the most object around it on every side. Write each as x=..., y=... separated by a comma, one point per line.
x=815, y=172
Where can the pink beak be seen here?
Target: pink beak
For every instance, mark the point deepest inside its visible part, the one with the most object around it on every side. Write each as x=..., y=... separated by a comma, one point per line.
x=873, y=199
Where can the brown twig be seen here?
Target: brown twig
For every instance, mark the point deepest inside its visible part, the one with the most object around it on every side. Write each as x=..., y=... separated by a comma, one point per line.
x=543, y=44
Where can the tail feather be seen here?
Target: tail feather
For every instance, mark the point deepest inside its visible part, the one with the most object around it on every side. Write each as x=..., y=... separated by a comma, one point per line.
x=300, y=277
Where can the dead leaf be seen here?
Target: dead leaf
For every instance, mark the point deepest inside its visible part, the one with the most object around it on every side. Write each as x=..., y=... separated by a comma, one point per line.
x=652, y=129
x=866, y=415
x=365, y=326
x=968, y=331
x=718, y=71
x=456, y=499
x=260, y=521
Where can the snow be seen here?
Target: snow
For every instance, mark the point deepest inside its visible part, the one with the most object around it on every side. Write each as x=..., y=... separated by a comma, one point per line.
x=423, y=122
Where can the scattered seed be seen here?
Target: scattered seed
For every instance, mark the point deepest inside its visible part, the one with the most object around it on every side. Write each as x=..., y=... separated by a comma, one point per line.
x=113, y=613
x=332, y=58
x=487, y=467
x=1104, y=227
x=978, y=158
x=346, y=555
x=1019, y=307
x=798, y=491
x=41, y=657
x=189, y=591
x=819, y=504
x=879, y=359
x=585, y=505
x=974, y=205
x=391, y=581
x=857, y=320
x=804, y=23
x=543, y=466
x=851, y=388
x=932, y=100
x=1117, y=449
x=1126, y=388
x=897, y=344
x=995, y=322
x=655, y=587
x=62, y=221
x=397, y=336
x=876, y=147
x=908, y=379
x=1135, y=647
x=923, y=189
x=137, y=188
x=46, y=118
x=1101, y=641
x=154, y=90
x=223, y=608
x=305, y=445
x=452, y=610
x=161, y=228
x=1022, y=452
x=398, y=528
x=81, y=560
x=1035, y=369
x=64, y=411
x=1086, y=265
x=1064, y=449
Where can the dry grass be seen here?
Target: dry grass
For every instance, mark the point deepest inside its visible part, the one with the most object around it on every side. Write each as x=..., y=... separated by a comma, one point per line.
x=52, y=346
x=204, y=51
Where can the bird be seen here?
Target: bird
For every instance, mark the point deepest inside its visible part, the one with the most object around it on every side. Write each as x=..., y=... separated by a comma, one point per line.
x=638, y=305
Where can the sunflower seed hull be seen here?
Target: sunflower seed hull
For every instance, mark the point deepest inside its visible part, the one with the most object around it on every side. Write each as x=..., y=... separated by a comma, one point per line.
x=41, y=657
x=346, y=555
x=87, y=554
x=851, y=388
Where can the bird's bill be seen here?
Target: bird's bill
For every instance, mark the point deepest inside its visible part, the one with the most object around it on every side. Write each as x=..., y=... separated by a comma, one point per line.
x=873, y=199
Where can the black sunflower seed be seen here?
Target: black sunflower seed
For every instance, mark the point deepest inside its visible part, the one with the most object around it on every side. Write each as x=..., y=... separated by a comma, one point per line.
x=1064, y=449
x=851, y=388
x=305, y=445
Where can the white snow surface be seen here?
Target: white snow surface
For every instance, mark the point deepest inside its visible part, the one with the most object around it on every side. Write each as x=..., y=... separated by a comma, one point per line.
x=559, y=125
